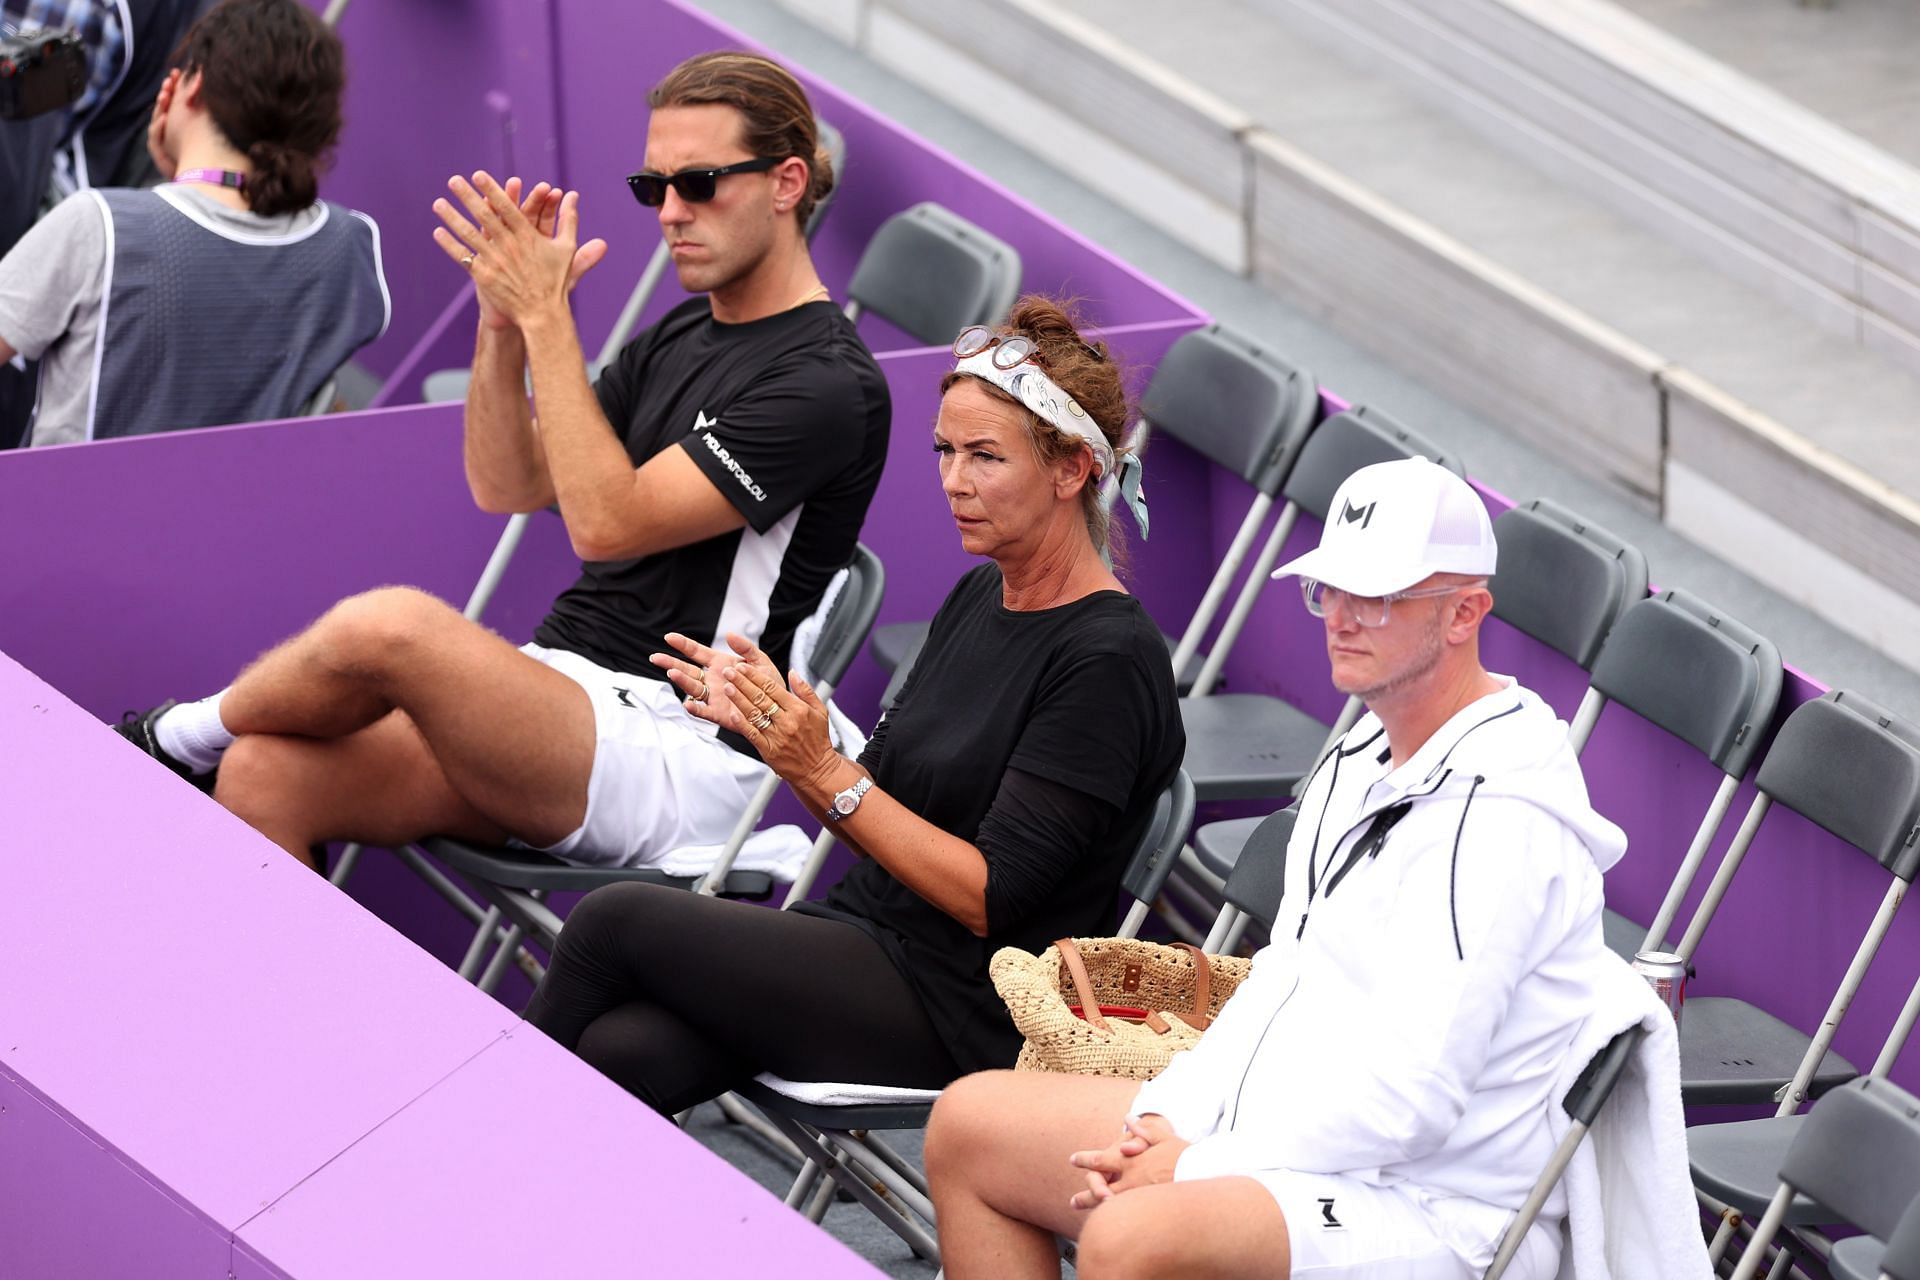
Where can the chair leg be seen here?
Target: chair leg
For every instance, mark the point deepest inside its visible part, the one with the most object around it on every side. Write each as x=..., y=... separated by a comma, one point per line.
x=476, y=949
x=497, y=967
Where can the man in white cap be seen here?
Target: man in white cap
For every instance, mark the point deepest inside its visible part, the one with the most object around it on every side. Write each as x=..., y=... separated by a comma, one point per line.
x=1373, y=1102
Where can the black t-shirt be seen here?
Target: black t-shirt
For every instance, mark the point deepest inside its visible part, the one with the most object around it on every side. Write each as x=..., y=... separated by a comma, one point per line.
x=1043, y=737
x=788, y=417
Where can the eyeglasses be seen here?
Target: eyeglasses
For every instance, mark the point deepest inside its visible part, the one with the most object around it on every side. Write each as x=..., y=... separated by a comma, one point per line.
x=1007, y=351
x=1370, y=611
x=696, y=186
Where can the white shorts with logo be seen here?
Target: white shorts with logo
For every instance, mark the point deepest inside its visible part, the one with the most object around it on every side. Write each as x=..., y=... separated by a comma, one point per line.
x=1343, y=1228
x=661, y=781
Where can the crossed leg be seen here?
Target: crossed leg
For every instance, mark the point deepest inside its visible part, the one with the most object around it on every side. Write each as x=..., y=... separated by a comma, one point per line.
x=997, y=1157
x=394, y=717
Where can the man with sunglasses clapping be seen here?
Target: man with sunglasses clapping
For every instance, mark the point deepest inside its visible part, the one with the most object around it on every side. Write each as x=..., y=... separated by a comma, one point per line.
x=712, y=480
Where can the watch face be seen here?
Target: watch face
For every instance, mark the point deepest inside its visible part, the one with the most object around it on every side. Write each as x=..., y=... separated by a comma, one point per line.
x=845, y=802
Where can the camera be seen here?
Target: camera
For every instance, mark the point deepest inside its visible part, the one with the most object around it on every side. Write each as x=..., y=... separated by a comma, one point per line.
x=40, y=71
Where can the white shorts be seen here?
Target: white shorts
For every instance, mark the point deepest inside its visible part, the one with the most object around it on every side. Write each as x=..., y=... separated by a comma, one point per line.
x=662, y=780
x=1343, y=1228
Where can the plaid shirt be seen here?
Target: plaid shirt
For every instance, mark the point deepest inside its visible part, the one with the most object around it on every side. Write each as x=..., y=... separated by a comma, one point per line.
x=96, y=22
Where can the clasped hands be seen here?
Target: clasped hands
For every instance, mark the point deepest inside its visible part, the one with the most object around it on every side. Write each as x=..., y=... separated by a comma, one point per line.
x=742, y=690
x=523, y=254
x=1145, y=1155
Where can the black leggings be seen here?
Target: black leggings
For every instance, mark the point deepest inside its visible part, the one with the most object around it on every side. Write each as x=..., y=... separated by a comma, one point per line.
x=678, y=998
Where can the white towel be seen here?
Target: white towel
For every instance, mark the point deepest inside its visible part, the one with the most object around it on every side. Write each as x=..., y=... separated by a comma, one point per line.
x=844, y=1095
x=1630, y=1207
x=847, y=737
x=780, y=851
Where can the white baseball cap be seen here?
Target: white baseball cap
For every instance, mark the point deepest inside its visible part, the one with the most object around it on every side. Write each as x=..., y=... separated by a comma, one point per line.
x=1393, y=524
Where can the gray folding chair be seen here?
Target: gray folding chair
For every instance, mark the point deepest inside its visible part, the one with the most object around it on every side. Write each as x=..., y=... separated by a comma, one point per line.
x=1582, y=1104
x=1254, y=883
x=1710, y=681
x=1901, y=1259
x=1249, y=745
x=931, y=273
x=1854, y=769
x=516, y=882
x=1856, y=1159
x=839, y=1142
x=1564, y=581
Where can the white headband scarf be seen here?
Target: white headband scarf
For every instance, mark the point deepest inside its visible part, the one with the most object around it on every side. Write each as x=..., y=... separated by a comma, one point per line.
x=1028, y=383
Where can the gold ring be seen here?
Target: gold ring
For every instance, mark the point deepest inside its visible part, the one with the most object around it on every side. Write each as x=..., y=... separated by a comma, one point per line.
x=761, y=721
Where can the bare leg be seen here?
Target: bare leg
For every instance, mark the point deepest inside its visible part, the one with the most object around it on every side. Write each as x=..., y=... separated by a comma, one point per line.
x=489, y=741
x=997, y=1152
x=381, y=786
x=997, y=1157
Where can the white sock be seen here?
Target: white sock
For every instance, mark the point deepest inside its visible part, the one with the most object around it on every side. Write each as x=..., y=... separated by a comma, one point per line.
x=194, y=734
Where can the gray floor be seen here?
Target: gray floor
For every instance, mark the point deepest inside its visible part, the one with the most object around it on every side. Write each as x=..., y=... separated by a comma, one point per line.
x=1853, y=63
x=1508, y=464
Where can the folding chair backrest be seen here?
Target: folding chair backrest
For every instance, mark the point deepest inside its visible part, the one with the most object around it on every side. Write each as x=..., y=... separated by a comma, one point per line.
x=1562, y=579
x=932, y=273
x=1858, y=1154
x=1853, y=768
x=1235, y=402
x=1259, y=874
x=835, y=147
x=1349, y=440
x=1704, y=677
x=1159, y=848
x=1902, y=1260
x=851, y=617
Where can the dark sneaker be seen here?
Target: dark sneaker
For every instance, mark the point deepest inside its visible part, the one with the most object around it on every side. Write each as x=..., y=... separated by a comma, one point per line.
x=137, y=727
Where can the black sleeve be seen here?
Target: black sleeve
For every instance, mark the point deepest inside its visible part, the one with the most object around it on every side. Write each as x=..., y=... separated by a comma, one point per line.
x=1036, y=832
x=773, y=445
x=876, y=747
x=615, y=389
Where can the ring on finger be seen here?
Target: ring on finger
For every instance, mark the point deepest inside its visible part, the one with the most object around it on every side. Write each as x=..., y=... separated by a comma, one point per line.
x=762, y=721
x=467, y=261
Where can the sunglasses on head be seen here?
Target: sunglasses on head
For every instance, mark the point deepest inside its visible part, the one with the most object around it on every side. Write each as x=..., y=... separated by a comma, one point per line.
x=696, y=186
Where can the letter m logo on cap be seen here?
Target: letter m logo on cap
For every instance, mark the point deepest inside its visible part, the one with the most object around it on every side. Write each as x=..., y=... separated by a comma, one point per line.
x=1364, y=515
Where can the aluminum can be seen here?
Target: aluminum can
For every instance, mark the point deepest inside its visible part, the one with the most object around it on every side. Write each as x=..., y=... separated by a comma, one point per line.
x=1666, y=973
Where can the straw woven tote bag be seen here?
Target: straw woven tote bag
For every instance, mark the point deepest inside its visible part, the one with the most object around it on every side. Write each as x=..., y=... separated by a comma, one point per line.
x=1111, y=1006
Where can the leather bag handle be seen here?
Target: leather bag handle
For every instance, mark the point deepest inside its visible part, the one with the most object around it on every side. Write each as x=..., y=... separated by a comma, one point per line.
x=1076, y=966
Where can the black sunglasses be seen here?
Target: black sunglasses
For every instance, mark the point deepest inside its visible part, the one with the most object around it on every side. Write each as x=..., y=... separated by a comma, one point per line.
x=696, y=186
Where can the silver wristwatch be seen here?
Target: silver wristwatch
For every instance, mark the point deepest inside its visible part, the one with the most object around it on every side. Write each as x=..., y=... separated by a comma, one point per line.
x=845, y=802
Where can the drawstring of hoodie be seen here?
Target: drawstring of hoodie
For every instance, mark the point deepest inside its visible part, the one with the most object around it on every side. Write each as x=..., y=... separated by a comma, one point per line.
x=1453, y=868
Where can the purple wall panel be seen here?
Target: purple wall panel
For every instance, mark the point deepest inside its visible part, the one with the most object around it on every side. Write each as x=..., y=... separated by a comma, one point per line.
x=433, y=88
x=78, y=1210
x=125, y=607
x=657, y=1203
x=184, y=990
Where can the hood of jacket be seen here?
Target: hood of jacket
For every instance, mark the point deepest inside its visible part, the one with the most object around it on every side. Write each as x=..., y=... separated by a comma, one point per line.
x=1508, y=743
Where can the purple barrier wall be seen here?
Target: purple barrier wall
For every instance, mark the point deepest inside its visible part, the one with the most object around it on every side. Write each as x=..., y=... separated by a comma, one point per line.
x=211, y=1063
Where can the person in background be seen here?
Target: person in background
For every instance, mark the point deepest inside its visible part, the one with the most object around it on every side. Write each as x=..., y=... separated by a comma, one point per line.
x=231, y=293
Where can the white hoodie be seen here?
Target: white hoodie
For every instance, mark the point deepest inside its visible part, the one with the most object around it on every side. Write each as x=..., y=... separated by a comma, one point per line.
x=1410, y=1018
